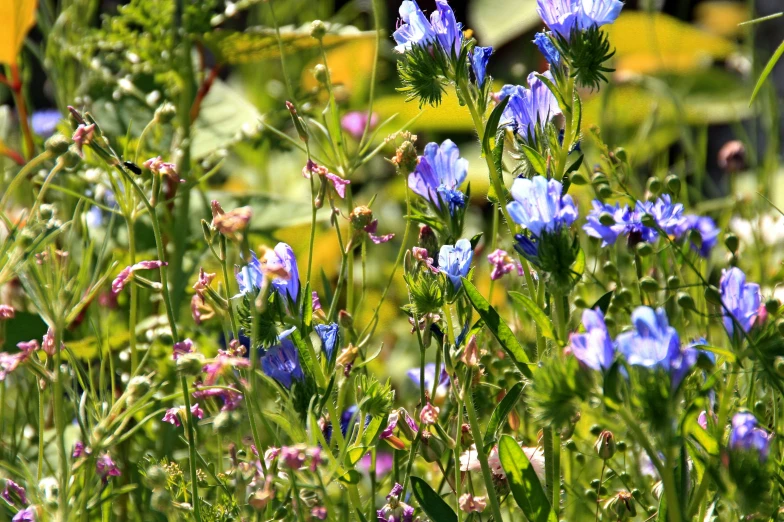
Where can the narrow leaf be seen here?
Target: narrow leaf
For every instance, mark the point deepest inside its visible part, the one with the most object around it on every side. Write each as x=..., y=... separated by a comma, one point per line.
x=536, y=160
x=498, y=328
x=603, y=303
x=536, y=313
x=501, y=412
x=492, y=125
x=766, y=71
x=431, y=503
x=523, y=481
x=577, y=120
x=556, y=92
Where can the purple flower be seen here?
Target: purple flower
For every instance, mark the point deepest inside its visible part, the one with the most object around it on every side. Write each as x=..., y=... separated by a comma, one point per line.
x=594, y=348
x=78, y=449
x=448, y=31
x=181, y=348
x=479, y=60
x=354, y=123
x=624, y=222
x=125, y=275
x=281, y=362
x=172, y=416
x=502, y=264
x=652, y=343
x=547, y=48
x=564, y=16
x=105, y=467
x=430, y=376
x=14, y=492
x=707, y=229
x=741, y=300
x=529, y=109
x=250, y=277
x=413, y=27
x=44, y=122
x=438, y=175
x=455, y=261
x=668, y=215
x=371, y=232
x=282, y=265
x=746, y=435
x=328, y=333
x=540, y=206
x=28, y=514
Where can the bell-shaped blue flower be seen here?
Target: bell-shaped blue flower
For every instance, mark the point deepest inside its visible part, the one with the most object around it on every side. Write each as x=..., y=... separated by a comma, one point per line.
x=281, y=362
x=564, y=16
x=594, y=348
x=281, y=265
x=250, y=277
x=440, y=171
x=529, y=109
x=652, y=343
x=547, y=48
x=448, y=31
x=746, y=435
x=741, y=299
x=540, y=206
x=479, y=60
x=705, y=226
x=416, y=30
x=455, y=261
x=328, y=333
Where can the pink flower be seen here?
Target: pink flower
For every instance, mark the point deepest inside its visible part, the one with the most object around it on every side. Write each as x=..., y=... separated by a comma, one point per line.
x=196, y=411
x=502, y=264
x=200, y=311
x=231, y=399
x=471, y=504
x=10, y=362
x=28, y=514
x=79, y=449
x=316, y=301
x=216, y=368
x=14, y=492
x=125, y=275
x=354, y=123
x=6, y=312
x=28, y=346
x=319, y=512
x=105, y=467
x=48, y=343
x=421, y=255
x=181, y=348
x=338, y=183
x=371, y=230
x=204, y=281
x=233, y=221
x=271, y=454
x=429, y=414
x=293, y=457
x=469, y=460
x=82, y=136
x=159, y=166
x=172, y=416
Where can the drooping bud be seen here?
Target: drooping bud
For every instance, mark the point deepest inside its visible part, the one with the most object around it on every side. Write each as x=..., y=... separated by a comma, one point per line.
x=673, y=183
x=685, y=301
x=361, y=217
x=320, y=73
x=649, y=285
x=428, y=240
x=165, y=113
x=299, y=123
x=621, y=506
x=644, y=249
x=605, y=445
x=673, y=282
x=654, y=186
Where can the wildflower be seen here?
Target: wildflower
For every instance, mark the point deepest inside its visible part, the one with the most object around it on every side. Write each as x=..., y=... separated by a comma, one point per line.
x=28, y=514
x=28, y=346
x=319, y=512
x=196, y=411
x=470, y=356
x=666, y=214
x=439, y=174
x=338, y=183
x=605, y=445
x=741, y=300
x=82, y=136
x=564, y=16
x=44, y=122
x=249, y=277
x=105, y=467
x=706, y=229
x=79, y=449
x=594, y=348
x=293, y=457
x=315, y=301
x=416, y=30
x=218, y=365
x=281, y=362
x=529, y=108
x=539, y=205
x=281, y=265
x=230, y=398
x=6, y=312
x=125, y=275
x=158, y=166
x=599, y=226
x=395, y=510
x=181, y=348
x=172, y=416
x=429, y=415
x=455, y=261
x=371, y=232
x=354, y=123
x=469, y=460
x=479, y=63
x=471, y=504
x=430, y=376
x=502, y=264
x=547, y=48
x=653, y=342
x=13, y=492
x=10, y=362
x=47, y=344
x=746, y=435
x=328, y=333
x=203, y=283
x=231, y=222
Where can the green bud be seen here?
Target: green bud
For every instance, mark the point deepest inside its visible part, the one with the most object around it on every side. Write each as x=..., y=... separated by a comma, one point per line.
x=712, y=295
x=673, y=282
x=57, y=145
x=360, y=217
x=579, y=302
x=620, y=446
x=620, y=153
x=578, y=178
x=649, y=285
x=759, y=409
x=654, y=186
x=644, y=249
x=432, y=448
x=190, y=364
x=157, y=477
x=345, y=319
x=624, y=476
x=138, y=386
x=610, y=269
x=226, y=422
x=206, y=230
x=318, y=29
x=590, y=494
x=571, y=445
x=621, y=506
x=580, y=458
x=732, y=242
x=161, y=500
x=599, y=178
x=595, y=483
x=606, y=219
x=70, y=159
x=648, y=221
x=778, y=364
x=320, y=73
x=624, y=295
x=685, y=301
x=637, y=494
x=605, y=445
x=596, y=430
x=299, y=123
x=772, y=305
x=604, y=191
x=165, y=113
x=673, y=183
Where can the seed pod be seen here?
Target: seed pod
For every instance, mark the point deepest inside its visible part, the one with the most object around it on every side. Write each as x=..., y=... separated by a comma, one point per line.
x=649, y=285
x=624, y=295
x=644, y=249
x=320, y=73
x=673, y=282
x=578, y=178
x=732, y=242
x=604, y=191
x=654, y=186
x=685, y=301
x=673, y=183
x=605, y=445
x=579, y=302
x=165, y=113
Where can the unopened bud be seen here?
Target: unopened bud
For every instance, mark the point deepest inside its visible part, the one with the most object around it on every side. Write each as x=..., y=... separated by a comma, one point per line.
x=772, y=305
x=685, y=301
x=606, y=219
x=732, y=242
x=605, y=445
x=648, y=221
x=604, y=191
x=644, y=249
x=156, y=477
x=299, y=124
x=138, y=386
x=621, y=506
x=778, y=364
x=712, y=295
x=673, y=282
x=624, y=295
x=165, y=113
x=318, y=29
x=428, y=240
x=345, y=319
x=190, y=364
x=57, y=145
x=578, y=178
x=361, y=217
x=320, y=73
x=406, y=158
x=654, y=186
x=70, y=159
x=610, y=269
x=732, y=156
x=579, y=302
x=649, y=285
x=161, y=500
x=673, y=183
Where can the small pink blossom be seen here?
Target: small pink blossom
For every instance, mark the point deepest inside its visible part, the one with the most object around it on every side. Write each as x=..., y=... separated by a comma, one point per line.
x=105, y=467
x=82, y=136
x=316, y=301
x=14, y=492
x=293, y=457
x=471, y=504
x=79, y=449
x=28, y=346
x=319, y=512
x=231, y=399
x=158, y=166
x=371, y=230
x=204, y=281
x=219, y=364
x=48, y=342
x=338, y=183
x=196, y=411
x=421, y=255
x=200, y=311
x=125, y=275
x=172, y=416
x=231, y=222
x=429, y=414
x=28, y=514
x=6, y=312
x=354, y=123
x=181, y=348
x=10, y=362
x=502, y=264
x=271, y=454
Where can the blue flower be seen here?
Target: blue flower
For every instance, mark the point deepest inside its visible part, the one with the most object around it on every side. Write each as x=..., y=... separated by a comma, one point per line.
x=668, y=215
x=652, y=343
x=328, y=333
x=747, y=435
x=249, y=277
x=281, y=362
x=594, y=348
x=563, y=16
x=707, y=229
x=282, y=265
x=624, y=222
x=430, y=376
x=44, y=122
x=741, y=299
x=529, y=109
x=440, y=171
x=455, y=261
x=479, y=63
x=416, y=30
x=540, y=206
x=547, y=48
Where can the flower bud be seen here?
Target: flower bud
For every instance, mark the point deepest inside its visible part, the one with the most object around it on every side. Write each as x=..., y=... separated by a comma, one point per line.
x=318, y=29
x=579, y=302
x=604, y=191
x=433, y=448
x=620, y=446
x=361, y=217
x=320, y=73
x=428, y=240
x=772, y=305
x=654, y=186
x=599, y=178
x=57, y=145
x=578, y=178
x=712, y=295
x=606, y=219
x=190, y=364
x=673, y=282
x=644, y=248
x=571, y=445
x=165, y=113
x=610, y=269
x=345, y=319
x=299, y=124
x=732, y=242
x=157, y=477
x=605, y=445
x=406, y=158
x=609, y=321
x=685, y=301
x=649, y=285
x=138, y=386
x=624, y=295
x=621, y=506
x=70, y=159
x=161, y=500
x=673, y=184
x=648, y=220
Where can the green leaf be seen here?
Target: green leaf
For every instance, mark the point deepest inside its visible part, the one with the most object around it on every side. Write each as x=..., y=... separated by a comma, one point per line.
x=492, y=126
x=603, y=303
x=536, y=313
x=307, y=307
x=536, y=160
x=350, y=477
x=308, y=364
x=692, y=427
x=578, y=267
x=501, y=412
x=523, y=481
x=766, y=71
x=431, y=503
x=222, y=116
x=577, y=120
x=574, y=164
x=498, y=328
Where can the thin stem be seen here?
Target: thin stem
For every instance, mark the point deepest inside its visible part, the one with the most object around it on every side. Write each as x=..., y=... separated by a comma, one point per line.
x=59, y=421
x=598, y=488
x=133, y=312
x=21, y=176
x=21, y=107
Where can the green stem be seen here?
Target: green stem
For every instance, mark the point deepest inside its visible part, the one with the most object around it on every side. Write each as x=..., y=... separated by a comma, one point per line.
x=21, y=176
x=41, y=431
x=552, y=464
x=59, y=421
x=191, y=450
x=133, y=312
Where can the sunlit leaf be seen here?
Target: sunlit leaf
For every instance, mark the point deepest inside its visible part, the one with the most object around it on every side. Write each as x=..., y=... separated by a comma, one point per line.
x=536, y=313
x=524, y=483
x=18, y=17
x=501, y=411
